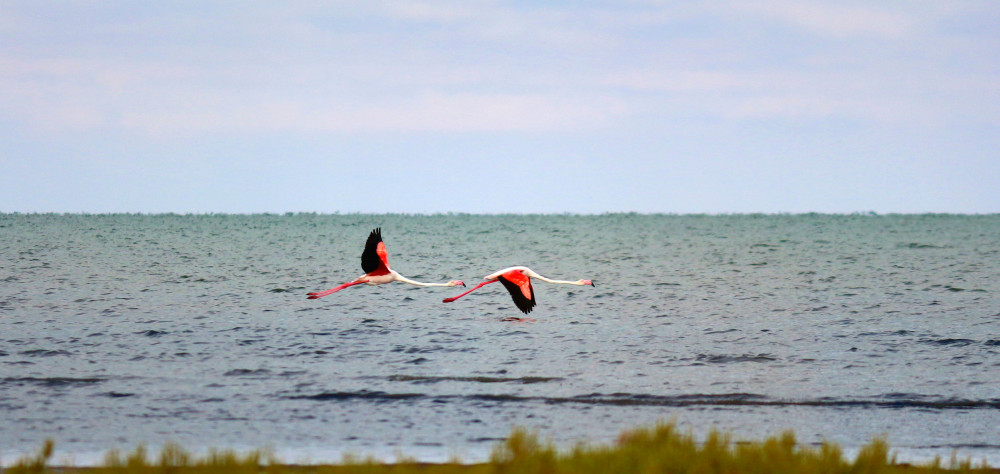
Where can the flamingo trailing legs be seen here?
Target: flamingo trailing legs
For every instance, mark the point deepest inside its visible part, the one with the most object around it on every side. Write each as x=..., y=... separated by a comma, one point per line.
x=517, y=280
x=375, y=263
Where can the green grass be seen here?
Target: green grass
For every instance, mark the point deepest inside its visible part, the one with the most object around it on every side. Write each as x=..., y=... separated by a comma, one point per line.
x=658, y=449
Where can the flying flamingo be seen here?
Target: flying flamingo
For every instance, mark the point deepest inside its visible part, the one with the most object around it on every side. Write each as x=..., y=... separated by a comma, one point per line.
x=375, y=263
x=517, y=280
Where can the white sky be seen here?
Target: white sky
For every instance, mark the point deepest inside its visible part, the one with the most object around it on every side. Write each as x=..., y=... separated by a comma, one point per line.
x=480, y=106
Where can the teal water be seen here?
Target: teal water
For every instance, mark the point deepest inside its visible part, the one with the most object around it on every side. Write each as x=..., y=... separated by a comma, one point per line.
x=117, y=330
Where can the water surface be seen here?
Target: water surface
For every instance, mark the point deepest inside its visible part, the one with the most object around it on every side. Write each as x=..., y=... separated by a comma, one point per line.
x=124, y=329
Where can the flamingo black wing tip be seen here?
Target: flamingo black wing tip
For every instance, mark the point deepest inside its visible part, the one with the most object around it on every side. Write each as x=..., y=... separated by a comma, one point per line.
x=524, y=304
x=370, y=259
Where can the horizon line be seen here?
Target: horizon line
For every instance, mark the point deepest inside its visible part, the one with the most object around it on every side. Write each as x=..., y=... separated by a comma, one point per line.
x=498, y=214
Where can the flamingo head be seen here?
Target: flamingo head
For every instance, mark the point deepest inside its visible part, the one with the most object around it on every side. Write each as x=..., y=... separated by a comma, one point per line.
x=586, y=282
x=456, y=283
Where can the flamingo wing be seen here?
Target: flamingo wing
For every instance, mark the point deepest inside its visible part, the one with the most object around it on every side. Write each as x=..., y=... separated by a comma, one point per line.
x=375, y=258
x=519, y=286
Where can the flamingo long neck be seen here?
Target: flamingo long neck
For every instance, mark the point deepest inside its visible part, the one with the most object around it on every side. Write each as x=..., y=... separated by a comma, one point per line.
x=418, y=283
x=561, y=282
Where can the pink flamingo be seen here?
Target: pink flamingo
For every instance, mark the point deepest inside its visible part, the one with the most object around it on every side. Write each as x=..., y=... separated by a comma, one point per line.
x=517, y=280
x=375, y=263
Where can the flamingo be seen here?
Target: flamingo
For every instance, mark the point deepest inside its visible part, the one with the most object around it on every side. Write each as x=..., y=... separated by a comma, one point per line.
x=375, y=263
x=517, y=280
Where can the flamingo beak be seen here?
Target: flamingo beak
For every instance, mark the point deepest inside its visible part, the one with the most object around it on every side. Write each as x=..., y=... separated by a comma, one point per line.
x=589, y=282
x=459, y=282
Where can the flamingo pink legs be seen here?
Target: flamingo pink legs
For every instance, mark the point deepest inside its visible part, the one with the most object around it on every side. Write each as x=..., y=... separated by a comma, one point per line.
x=320, y=294
x=453, y=298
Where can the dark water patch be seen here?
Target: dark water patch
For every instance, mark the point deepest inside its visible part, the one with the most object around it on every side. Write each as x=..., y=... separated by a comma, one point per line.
x=957, y=289
x=247, y=372
x=948, y=342
x=729, y=359
x=430, y=379
x=416, y=350
x=359, y=395
x=232, y=329
x=366, y=331
x=152, y=333
x=486, y=439
x=919, y=245
x=51, y=382
x=10, y=407
x=889, y=401
x=114, y=394
x=961, y=446
x=721, y=331
x=674, y=400
x=432, y=349
x=45, y=353
x=313, y=353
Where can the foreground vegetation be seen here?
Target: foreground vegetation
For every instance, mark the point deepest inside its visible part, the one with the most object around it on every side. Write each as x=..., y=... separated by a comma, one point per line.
x=661, y=448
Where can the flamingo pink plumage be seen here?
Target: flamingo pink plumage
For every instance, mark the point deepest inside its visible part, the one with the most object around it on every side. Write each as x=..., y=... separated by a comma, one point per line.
x=517, y=280
x=375, y=263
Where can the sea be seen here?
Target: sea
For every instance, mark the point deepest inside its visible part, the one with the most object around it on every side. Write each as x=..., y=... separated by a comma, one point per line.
x=121, y=330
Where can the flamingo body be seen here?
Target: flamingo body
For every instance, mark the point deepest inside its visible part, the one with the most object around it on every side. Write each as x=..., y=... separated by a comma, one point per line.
x=517, y=281
x=375, y=263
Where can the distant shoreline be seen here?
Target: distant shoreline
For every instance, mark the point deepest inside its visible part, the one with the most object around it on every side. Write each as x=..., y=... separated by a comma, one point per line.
x=502, y=214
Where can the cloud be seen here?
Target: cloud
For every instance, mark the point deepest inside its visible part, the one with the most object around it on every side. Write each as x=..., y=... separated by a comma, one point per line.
x=836, y=19
x=438, y=12
x=161, y=100
x=456, y=113
x=486, y=66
